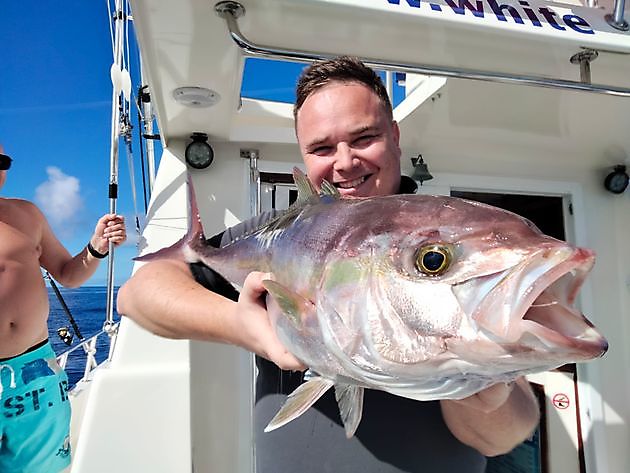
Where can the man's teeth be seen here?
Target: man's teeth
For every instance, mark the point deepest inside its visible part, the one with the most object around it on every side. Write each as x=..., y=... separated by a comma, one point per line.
x=349, y=184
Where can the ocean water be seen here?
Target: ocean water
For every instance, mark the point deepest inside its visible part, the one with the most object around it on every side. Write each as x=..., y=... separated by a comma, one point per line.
x=88, y=308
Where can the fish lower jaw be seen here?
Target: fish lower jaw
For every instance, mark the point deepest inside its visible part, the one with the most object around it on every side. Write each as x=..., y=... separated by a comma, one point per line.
x=570, y=348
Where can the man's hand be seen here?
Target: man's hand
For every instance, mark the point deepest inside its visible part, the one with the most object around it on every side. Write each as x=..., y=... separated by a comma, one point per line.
x=494, y=420
x=110, y=227
x=490, y=399
x=257, y=334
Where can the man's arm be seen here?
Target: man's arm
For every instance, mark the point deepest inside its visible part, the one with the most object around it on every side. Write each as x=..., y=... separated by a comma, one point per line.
x=163, y=297
x=495, y=420
x=72, y=271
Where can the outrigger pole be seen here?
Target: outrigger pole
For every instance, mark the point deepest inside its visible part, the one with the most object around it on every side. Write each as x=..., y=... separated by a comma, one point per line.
x=121, y=83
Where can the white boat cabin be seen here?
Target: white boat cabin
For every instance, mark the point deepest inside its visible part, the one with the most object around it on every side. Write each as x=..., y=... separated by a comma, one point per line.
x=521, y=102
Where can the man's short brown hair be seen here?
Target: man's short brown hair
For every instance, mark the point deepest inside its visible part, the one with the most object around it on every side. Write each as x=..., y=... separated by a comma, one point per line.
x=340, y=69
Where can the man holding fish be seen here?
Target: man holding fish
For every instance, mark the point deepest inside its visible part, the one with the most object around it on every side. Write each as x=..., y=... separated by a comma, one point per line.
x=349, y=140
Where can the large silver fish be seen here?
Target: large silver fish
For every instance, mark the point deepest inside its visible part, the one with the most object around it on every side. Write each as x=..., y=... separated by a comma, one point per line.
x=425, y=297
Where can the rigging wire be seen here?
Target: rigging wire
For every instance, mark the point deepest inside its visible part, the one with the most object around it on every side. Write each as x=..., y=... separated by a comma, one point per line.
x=142, y=160
x=111, y=31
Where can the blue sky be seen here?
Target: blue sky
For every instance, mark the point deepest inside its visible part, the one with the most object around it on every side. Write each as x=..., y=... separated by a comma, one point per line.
x=55, y=117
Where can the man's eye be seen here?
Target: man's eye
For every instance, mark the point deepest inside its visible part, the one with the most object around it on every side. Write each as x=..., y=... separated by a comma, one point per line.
x=321, y=150
x=364, y=140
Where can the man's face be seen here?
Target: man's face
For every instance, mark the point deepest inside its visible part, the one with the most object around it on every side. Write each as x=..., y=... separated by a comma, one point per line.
x=347, y=138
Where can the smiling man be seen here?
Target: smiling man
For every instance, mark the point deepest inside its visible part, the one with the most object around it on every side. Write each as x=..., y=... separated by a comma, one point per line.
x=347, y=136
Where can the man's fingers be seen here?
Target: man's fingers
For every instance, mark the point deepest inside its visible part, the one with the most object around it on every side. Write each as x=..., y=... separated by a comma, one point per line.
x=490, y=398
x=253, y=286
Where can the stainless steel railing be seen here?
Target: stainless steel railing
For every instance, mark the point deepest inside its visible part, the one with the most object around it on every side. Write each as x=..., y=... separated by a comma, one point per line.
x=230, y=11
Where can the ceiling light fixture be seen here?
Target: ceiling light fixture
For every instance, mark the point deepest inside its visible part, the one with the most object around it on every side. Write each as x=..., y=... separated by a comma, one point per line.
x=196, y=97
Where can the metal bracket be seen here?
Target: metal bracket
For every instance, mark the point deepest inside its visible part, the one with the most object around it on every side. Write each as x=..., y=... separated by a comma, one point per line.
x=249, y=153
x=229, y=8
x=254, y=176
x=621, y=25
x=584, y=58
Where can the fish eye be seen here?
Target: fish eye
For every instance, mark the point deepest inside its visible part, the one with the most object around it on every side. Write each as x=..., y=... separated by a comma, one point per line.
x=433, y=260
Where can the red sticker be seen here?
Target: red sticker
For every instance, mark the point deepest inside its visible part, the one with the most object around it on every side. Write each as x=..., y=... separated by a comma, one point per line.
x=561, y=401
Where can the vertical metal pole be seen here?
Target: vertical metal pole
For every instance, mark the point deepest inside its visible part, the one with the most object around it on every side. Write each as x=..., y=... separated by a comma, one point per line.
x=108, y=325
x=389, y=85
x=618, y=11
x=616, y=20
x=585, y=71
x=254, y=178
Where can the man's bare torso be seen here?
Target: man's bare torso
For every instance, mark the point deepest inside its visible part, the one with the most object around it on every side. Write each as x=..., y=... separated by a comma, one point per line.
x=23, y=295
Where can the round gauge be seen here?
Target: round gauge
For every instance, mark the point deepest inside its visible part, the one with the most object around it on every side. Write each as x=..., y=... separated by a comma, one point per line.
x=199, y=153
x=617, y=181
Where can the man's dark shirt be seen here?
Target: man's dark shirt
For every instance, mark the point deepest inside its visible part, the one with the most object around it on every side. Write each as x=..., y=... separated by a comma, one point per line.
x=395, y=434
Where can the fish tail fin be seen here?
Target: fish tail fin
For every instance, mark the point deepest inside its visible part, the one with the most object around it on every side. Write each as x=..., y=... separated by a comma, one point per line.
x=350, y=402
x=299, y=401
x=190, y=241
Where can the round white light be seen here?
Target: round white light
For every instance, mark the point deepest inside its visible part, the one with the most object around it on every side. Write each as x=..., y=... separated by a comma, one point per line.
x=196, y=97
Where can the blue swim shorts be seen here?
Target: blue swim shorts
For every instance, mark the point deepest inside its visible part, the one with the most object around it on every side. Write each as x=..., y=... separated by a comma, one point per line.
x=34, y=413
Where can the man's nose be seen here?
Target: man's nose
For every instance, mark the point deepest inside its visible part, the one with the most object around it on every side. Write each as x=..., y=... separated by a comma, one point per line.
x=344, y=157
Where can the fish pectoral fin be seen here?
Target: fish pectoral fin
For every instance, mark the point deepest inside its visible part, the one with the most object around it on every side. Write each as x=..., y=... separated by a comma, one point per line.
x=299, y=401
x=350, y=401
x=292, y=304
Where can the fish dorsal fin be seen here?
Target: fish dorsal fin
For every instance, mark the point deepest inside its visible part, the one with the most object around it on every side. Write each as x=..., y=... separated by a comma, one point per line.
x=299, y=401
x=305, y=187
x=327, y=189
x=292, y=304
x=350, y=401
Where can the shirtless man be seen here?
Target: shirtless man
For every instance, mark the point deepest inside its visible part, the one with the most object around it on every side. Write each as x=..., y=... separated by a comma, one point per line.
x=34, y=411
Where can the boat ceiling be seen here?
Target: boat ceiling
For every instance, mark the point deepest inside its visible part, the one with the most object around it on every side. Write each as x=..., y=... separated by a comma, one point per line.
x=186, y=43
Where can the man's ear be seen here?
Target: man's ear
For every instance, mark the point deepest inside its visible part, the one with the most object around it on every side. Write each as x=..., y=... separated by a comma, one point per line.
x=396, y=134
x=396, y=131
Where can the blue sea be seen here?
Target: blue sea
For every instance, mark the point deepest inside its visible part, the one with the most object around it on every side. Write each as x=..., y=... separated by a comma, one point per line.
x=87, y=305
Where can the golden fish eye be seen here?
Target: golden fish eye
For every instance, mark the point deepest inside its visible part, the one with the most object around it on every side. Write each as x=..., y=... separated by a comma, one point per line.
x=433, y=260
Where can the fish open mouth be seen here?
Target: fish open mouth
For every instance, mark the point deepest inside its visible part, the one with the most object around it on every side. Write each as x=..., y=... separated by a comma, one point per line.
x=543, y=316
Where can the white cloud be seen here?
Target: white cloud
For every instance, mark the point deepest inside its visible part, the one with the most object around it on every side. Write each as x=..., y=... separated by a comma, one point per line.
x=59, y=198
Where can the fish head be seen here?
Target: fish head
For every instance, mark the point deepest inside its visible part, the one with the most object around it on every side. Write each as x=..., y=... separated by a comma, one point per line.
x=476, y=284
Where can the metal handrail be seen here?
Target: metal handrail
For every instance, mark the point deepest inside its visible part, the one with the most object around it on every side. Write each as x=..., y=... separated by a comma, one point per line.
x=230, y=11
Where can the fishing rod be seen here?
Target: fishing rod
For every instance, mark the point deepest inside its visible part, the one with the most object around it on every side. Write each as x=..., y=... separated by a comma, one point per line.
x=63, y=332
